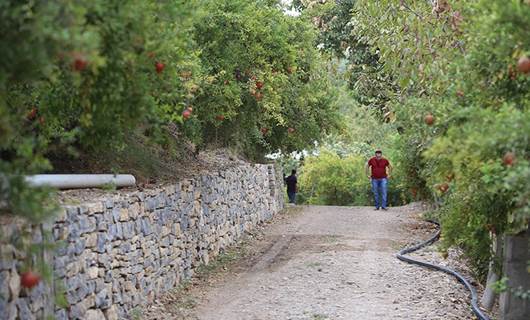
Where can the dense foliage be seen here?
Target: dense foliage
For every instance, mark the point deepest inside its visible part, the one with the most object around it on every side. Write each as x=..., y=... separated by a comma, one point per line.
x=330, y=179
x=457, y=60
x=335, y=175
x=80, y=76
x=265, y=88
x=441, y=86
x=83, y=77
x=451, y=77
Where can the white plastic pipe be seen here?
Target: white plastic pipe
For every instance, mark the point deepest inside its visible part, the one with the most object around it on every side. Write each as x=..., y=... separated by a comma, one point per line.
x=79, y=181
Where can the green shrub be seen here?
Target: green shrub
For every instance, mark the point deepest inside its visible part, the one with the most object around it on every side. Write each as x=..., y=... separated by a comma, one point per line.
x=83, y=77
x=458, y=62
x=329, y=179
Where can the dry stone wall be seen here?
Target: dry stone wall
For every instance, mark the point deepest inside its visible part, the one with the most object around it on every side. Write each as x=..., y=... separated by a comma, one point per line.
x=124, y=250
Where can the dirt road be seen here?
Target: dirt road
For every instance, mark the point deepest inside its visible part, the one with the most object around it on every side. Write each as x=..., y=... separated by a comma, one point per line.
x=335, y=263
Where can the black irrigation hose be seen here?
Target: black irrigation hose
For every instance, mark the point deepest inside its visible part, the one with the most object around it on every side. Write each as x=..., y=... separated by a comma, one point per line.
x=474, y=298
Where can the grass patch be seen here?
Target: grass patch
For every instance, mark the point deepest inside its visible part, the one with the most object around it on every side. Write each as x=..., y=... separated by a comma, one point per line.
x=181, y=300
x=148, y=161
x=314, y=264
x=434, y=215
x=291, y=210
x=222, y=260
x=332, y=238
x=136, y=314
x=317, y=316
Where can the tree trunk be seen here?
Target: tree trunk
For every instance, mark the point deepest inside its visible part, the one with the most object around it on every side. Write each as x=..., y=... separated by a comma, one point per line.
x=515, y=267
x=489, y=296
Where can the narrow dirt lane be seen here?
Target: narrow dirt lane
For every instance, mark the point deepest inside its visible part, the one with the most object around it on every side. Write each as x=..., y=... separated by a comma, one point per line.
x=325, y=263
x=337, y=263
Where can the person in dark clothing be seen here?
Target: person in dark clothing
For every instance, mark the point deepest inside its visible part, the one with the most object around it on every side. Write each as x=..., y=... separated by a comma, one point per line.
x=292, y=187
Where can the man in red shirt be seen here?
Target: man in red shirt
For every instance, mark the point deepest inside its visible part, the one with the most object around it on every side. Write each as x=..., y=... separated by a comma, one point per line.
x=381, y=170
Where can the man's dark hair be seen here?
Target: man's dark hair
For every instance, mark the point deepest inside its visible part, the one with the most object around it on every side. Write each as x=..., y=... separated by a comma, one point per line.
x=293, y=171
x=379, y=151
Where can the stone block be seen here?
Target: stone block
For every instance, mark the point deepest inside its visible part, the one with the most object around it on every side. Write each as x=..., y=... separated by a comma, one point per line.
x=101, y=245
x=111, y=313
x=24, y=312
x=124, y=214
x=61, y=314
x=145, y=227
x=92, y=273
x=76, y=248
x=59, y=232
x=128, y=230
x=103, y=299
x=99, y=282
x=117, y=297
x=14, y=285
x=94, y=314
x=93, y=208
x=73, y=232
x=119, y=231
x=4, y=286
x=77, y=311
x=134, y=210
x=91, y=240
x=101, y=222
x=72, y=214
x=74, y=267
x=150, y=204
x=109, y=203
x=87, y=224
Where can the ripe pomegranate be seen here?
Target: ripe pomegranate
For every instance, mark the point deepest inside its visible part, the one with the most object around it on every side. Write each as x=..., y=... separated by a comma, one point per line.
x=186, y=114
x=259, y=84
x=429, y=119
x=29, y=279
x=460, y=93
x=443, y=187
x=523, y=65
x=220, y=117
x=291, y=130
x=159, y=66
x=32, y=114
x=80, y=64
x=508, y=159
x=264, y=130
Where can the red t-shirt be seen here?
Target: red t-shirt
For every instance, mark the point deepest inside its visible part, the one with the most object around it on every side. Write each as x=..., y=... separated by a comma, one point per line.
x=378, y=167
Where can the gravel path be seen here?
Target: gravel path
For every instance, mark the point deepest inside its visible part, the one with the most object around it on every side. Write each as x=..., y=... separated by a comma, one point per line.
x=334, y=263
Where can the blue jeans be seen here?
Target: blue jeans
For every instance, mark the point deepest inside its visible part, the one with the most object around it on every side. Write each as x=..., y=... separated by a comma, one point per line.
x=292, y=197
x=379, y=187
